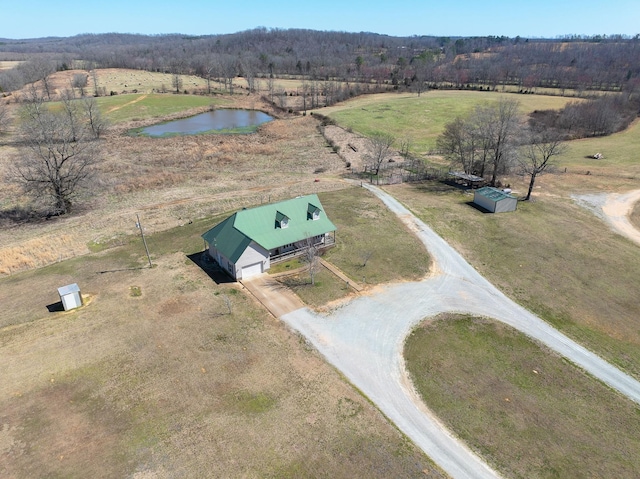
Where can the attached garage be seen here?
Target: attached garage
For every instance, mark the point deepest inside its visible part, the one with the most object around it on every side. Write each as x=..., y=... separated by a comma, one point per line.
x=495, y=200
x=251, y=270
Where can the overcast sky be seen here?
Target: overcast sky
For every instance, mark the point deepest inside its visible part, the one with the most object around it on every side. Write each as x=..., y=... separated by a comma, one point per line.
x=536, y=18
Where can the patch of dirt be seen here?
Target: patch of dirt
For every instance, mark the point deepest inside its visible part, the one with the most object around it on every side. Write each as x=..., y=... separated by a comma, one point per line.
x=615, y=209
x=354, y=149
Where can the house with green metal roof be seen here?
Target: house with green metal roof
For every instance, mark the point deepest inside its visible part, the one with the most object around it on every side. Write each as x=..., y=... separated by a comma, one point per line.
x=495, y=200
x=247, y=242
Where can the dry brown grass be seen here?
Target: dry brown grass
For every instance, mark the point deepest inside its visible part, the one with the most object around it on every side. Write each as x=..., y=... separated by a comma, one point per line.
x=173, y=180
x=8, y=65
x=634, y=217
x=50, y=249
x=167, y=383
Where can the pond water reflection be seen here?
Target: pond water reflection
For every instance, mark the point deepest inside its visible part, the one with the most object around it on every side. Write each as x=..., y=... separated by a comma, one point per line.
x=226, y=119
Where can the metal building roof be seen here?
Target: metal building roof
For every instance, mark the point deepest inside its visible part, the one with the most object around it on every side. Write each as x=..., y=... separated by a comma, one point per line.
x=68, y=289
x=494, y=194
x=262, y=225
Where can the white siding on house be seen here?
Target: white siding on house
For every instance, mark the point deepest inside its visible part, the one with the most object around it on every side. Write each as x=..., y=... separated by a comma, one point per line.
x=252, y=255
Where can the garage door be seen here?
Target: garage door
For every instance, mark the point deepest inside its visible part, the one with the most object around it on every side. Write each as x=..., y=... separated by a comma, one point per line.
x=251, y=270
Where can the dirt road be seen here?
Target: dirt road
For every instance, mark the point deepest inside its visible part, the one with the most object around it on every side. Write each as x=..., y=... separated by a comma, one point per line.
x=614, y=208
x=364, y=339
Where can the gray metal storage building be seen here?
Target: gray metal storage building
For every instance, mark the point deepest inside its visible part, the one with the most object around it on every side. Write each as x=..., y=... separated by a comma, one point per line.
x=495, y=200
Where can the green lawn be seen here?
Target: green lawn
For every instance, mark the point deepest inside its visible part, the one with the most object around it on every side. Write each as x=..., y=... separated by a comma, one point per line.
x=372, y=247
x=529, y=412
x=621, y=154
x=423, y=118
x=553, y=257
x=120, y=108
x=372, y=244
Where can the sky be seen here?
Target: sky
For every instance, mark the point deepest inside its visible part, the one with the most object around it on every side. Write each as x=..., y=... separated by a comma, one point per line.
x=538, y=18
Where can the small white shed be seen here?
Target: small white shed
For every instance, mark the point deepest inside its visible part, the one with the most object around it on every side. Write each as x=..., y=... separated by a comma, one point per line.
x=70, y=296
x=495, y=200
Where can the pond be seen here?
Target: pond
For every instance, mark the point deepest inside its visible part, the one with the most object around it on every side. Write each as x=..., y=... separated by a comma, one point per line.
x=217, y=121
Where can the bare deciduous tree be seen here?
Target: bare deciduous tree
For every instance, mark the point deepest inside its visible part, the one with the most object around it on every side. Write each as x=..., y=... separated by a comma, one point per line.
x=406, y=145
x=499, y=125
x=80, y=81
x=457, y=143
x=176, y=82
x=59, y=159
x=94, y=79
x=311, y=257
x=41, y=70
x=271, y=87
x=97, y=124
x=380, y=145
x=227, y=302
x=537, y=156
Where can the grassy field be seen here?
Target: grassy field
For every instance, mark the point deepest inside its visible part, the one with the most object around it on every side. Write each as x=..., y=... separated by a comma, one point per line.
x=621, y=156
x=121, y=108
x=422, y=119
x=154, y=377
x=530, y=413
x=372, y=243
x=553, y=257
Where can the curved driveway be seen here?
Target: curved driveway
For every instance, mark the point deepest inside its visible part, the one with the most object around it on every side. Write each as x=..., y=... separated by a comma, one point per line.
x=364, y=339
x=615, y=209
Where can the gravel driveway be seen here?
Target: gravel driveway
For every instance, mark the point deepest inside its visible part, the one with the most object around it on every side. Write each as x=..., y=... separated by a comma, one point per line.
x=364, y=340
x=614, y=208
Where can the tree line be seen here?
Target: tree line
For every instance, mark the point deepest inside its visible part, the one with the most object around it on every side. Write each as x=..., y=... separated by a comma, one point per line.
x=577, y=63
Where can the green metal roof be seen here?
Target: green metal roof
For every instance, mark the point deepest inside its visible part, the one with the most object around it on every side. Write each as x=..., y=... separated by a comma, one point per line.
x=261, y=224
x=494, y=193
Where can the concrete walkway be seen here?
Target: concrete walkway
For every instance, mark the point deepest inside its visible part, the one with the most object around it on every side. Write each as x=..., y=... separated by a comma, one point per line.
x=336, y=271
x=278, y=299
x=365, y=338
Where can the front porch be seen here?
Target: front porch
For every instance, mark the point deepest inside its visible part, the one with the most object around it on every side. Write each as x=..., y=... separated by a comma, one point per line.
x=328, y=242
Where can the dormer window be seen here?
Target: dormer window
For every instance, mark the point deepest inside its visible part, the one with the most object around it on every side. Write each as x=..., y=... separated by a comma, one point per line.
x=282, y=220
x=313, y=212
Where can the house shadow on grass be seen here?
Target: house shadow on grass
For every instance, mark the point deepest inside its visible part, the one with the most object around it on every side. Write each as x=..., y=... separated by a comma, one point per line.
x=209, y=266
x=55, y=307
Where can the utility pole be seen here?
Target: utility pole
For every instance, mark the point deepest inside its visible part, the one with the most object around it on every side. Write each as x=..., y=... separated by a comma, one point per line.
x=139, y=225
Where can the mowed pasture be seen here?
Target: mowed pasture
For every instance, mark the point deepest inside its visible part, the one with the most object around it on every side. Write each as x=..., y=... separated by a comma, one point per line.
x=526, y=410
x=552, y=256
x=132, y=107
x=165, y=372
x=421, y=119
x=620, y=157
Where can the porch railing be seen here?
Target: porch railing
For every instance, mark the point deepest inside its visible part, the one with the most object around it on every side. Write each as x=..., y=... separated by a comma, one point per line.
x=329, y=241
